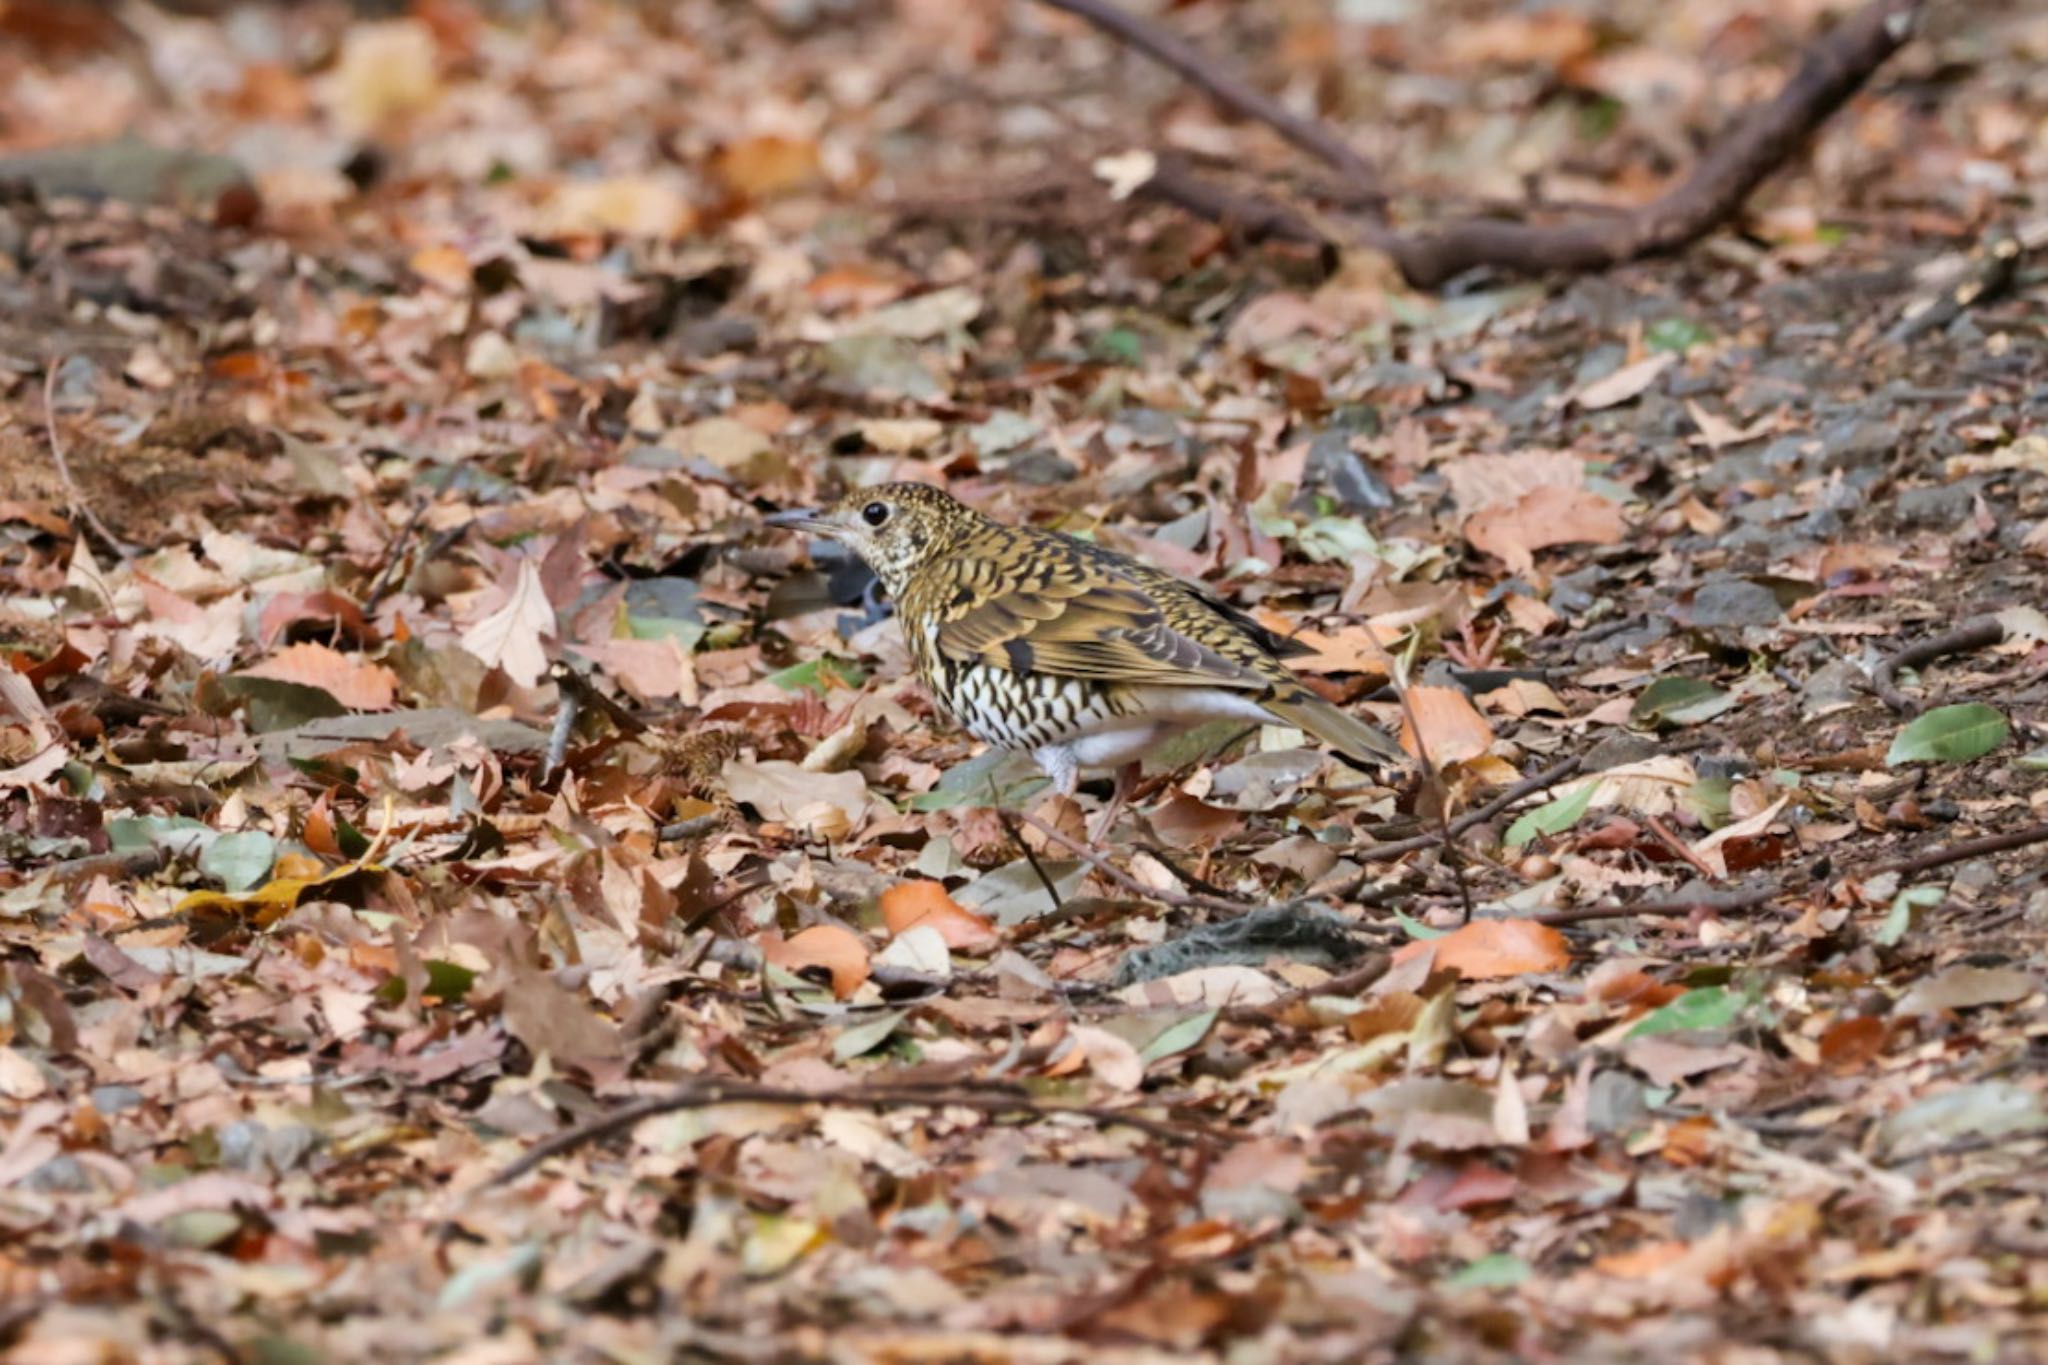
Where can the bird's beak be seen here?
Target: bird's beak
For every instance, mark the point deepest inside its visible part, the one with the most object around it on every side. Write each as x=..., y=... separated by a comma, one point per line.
x=799, y=519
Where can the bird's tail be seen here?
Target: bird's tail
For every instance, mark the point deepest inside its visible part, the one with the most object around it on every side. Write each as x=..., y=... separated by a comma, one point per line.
x=1350, y=737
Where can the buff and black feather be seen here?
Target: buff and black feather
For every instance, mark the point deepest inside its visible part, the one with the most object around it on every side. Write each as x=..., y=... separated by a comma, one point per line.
x=1036, y=640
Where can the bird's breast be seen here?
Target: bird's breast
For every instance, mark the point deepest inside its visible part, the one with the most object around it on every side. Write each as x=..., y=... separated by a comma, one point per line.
x=1025, y=710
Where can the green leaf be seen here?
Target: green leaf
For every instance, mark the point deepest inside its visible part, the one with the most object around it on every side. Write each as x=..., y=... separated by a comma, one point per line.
x=1679, y=701
x=2035, y=762
x=1552, y=817
x=1899, y=918
x=176, y=834
x=1497, y=1271
x=275, y=705
x=1708, y=798
x=1950, y=734
x=1180, y=1036
x=1711, y=1007
x=867, y=1035
x=239, y=861
x=1120, y=344
x=449, y=981
x=997, y=778
x=1676, y=334
x=818, y=675
x=1415, y=928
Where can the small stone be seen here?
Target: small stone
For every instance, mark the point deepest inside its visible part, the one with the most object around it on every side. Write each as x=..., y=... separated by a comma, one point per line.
x=1728, y=601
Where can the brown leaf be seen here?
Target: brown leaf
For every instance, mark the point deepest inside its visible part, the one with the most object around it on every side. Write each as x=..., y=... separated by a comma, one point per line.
x=1545, y=517
x=353, y=681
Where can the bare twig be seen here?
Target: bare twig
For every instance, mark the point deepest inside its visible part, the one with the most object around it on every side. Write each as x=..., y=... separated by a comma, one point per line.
x=1676, y=907
x=1180, y=900
x=1967, y=849
x=984, y=1098
x=71, y=493
x=394, y=555
x=1009, y=824
x=1197, y=69
x=1679, y=848
x=1343, y=984
x=1978, y=634
x=1527, y=787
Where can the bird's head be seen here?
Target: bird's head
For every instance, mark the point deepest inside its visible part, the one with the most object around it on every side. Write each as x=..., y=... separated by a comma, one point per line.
x=894, y=527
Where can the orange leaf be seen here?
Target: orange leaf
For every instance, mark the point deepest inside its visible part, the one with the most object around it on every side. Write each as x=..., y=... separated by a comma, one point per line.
x=839, y=951
x=1641, y=1263
x=356, y=683
x=1452, y=728
x=912, y=903
x=1489, y=948
x=757, y=167
x=318, y=831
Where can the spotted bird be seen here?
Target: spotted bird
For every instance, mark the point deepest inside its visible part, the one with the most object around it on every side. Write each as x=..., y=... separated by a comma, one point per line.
x=1083, y=657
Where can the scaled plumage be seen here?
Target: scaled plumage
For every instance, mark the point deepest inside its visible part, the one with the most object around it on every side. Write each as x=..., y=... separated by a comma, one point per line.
x=1084, y=657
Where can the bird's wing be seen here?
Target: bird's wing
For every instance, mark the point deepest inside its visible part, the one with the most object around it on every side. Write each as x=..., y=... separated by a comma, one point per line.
x=1091, y=619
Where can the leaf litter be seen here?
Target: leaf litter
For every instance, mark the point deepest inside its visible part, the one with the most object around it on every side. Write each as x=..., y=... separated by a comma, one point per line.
x=347, y=1008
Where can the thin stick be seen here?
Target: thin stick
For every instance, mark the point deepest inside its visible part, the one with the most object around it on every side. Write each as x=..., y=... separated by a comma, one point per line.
x=1527, y=787
x=1681, y=849
x=394, y=555
x=1188, y=62
x=1344, y=983
x=71, y=493
x=1003, y=818
x=992, y=1098
x=1969, y=848
x=1179, y=900
x=1979, y=634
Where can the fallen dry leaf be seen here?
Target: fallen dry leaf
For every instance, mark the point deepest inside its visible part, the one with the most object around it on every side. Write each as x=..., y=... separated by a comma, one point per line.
x=1451, y=730
x=839, y=951
x=1487, y=949
x=353, y=681
x=908, y=904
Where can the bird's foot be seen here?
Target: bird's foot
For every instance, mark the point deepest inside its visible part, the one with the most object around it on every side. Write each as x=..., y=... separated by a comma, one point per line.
x=1119, y=796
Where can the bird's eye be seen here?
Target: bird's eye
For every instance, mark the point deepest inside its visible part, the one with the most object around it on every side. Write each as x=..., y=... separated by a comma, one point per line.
x=875, y=513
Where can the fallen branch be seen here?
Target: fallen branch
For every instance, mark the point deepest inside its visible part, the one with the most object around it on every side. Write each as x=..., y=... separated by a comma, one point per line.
x=1967, y=849
x=1760, y=140
x=1979, y=634
x=984, y=1098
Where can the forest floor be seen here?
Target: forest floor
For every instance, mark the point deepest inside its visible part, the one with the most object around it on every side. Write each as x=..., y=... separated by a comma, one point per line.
x=446, y=369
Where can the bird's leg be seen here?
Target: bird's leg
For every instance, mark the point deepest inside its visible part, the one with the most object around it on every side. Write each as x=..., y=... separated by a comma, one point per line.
x=1057, y=761
x=1120, y=794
